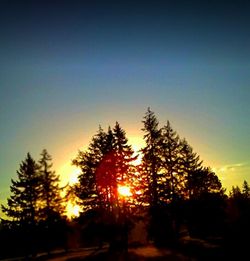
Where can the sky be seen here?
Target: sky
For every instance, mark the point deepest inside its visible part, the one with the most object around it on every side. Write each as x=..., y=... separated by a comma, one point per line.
x=67, y=67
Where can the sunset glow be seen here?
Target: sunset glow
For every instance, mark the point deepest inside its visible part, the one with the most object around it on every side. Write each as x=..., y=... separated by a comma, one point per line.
x=137, y=143
x=72, y=210
x=124, y=191
x=69, y=174
x=73, y=176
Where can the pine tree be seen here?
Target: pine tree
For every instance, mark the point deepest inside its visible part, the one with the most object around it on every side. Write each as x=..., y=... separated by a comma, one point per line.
x=88, y=161
x=105, y=174
x=51, y=200
x=172, y=180
x=22, y=209
x=191, y=167
x=105, y=164
x=123, y=154
x=235, y=192
x=246, y=190
x=124, y=157
x=22, y=205
x=51, y=203
x=151, y=161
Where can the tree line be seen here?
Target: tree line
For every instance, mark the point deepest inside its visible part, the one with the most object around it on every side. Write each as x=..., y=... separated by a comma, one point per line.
x=169, y=190
x=34, y=209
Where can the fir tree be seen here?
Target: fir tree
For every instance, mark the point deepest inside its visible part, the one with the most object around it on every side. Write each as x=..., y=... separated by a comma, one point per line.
x=191, y=166
x=246, y=190
x=151, y=161
x=88, y=161
x=22, y=209
x=22, y=205
x=105, y=164
x=51, y=203
x=124, y=157
x=170, y=154
x=51, y=200
x=123, y=154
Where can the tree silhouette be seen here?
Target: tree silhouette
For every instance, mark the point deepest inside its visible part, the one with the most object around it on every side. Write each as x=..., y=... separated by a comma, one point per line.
x=88, y=161
x=105, y=165
x=170, y=189
x=151, y=160
x=50, y=201
x=174, y=175
x=191, y=166
x=237, y=236
x=23, y=206
x=246, y=190
x=171, y=169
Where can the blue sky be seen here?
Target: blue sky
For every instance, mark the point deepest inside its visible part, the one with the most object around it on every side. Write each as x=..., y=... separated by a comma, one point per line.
x=68, y=66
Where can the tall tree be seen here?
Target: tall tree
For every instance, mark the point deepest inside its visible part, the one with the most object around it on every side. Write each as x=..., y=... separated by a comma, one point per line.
x=124, y=158
x=170, y=154
x=105, y=164
x=88, y=161
x=22, y=207
x=123, y=154
x=151, y=161
x=191, y=167
x=51, y=199
x=51, y=204
x=22, y=204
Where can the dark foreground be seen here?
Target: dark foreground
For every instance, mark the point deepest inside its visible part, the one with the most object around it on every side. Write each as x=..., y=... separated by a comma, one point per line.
x=193, y=250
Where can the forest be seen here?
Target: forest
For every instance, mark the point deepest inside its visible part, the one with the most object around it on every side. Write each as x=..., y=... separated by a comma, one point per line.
x=162, y=195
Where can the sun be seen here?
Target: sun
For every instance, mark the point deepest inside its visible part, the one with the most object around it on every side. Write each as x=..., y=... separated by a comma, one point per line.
x=124, y=191
x=73, y=210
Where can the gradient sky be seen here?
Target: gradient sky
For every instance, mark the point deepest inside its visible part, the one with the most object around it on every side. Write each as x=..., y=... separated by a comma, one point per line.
x=68, y=66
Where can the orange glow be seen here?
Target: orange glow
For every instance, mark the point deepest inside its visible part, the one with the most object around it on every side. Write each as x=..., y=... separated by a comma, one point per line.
x=124, y=191
x=138, y=192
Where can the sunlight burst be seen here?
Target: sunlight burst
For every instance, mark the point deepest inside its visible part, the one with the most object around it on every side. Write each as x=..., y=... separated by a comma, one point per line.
x=72, y=210
x=124, y=191
x=73, y=178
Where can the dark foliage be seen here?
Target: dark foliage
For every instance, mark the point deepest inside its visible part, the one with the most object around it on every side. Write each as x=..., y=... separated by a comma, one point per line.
x=178, y=199
x=238, y=213
x=34, y=211
x=51, y=208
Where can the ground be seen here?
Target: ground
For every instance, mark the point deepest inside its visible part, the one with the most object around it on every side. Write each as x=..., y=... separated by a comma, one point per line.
x=144, y=253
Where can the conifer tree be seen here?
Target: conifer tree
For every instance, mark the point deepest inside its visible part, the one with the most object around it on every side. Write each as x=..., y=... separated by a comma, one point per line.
x=170, y=153
x=51, y=200
x=191, y=167
x=105, y=163
x=22, y=205
x=246, y=190
x=124, y=157
x=151, y=161
x=88, y=161
x=123, y=154
x=51, y=204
